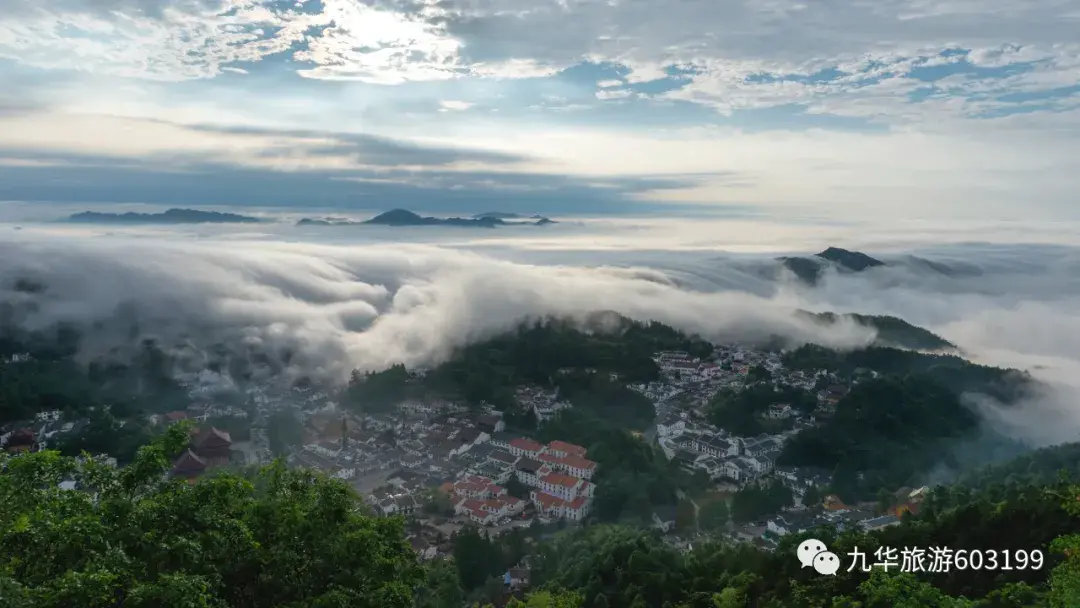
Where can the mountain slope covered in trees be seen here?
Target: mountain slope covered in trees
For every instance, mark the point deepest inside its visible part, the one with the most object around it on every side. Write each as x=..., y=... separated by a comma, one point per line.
x=129, y=538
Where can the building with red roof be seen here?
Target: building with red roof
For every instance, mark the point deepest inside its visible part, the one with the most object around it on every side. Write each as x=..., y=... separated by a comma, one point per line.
x=188, y=466
x=209, y=448
x=525, y=447
x=560, y=485
x=214, y=446
x=21, y=440
x=546, y=504
x=577, y=509
x=578, y=466
x=562, y=448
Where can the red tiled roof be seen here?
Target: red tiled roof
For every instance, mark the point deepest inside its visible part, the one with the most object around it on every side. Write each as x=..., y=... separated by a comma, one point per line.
x=480, y=514
x=177, y=415
x=576, y=504
x=547, y=501
x=526, y=444
x=473, y=504
x=569, y=448
x=549, y=458
x=468, y=486
x=559, y=479
x=447, y=487
x=189, y=462
x=579, y=463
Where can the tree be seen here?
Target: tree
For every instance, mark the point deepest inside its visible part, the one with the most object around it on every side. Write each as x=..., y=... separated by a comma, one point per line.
x=685, y=516
x=903, y=590
x=515, y=488
x=442, y=587
x=283, y=431
x=106, y=435
x=548, y=599
x=438, y=502
x=714, y=515
x=758, y=373
x=1065, y=579
x=284, y=538
x=376, y=392
x=476, y=558
x=753, y=502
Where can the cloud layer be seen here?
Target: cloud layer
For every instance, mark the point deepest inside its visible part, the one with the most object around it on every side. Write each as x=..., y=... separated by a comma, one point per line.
x=323, y=310
x=847, y=58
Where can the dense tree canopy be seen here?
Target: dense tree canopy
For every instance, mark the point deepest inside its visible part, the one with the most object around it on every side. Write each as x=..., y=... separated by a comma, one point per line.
x=134, y=538
x=622, y=566
x=951, y=371
x=51, y=379
x=537, y=351
x=740, y=411
x=884, y=433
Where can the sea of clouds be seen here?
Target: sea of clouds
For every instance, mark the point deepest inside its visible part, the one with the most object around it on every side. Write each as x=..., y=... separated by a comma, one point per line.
x=327, y=301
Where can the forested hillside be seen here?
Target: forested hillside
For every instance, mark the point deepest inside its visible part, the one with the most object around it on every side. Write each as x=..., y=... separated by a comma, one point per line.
x=291, y=538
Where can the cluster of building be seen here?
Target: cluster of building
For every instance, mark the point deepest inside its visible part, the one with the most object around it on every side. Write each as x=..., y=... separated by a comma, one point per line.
x=556, y=476
x=210, y=448
x=833, y=512
x=544, y=403
x=46, y=430
x=689, y=384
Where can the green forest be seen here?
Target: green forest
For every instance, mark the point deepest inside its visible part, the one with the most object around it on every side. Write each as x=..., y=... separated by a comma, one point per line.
x=275, y=537
x=286, y=538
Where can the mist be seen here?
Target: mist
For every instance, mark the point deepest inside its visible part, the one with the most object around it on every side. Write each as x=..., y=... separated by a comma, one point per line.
x=321, y=310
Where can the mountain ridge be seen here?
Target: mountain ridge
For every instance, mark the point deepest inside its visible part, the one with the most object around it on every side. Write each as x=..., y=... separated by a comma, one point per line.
x=404, y=217
x=175, y=215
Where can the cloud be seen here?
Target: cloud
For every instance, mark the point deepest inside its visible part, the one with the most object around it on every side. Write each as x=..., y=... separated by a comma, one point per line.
x=323, y=309
x=60, y=157
x=451, y=105
x=337, y=308
x=170, y=41
x=896, y=106
x=896, y=60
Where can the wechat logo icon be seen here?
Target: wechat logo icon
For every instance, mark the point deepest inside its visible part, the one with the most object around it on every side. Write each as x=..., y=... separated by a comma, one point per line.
x=813, y=553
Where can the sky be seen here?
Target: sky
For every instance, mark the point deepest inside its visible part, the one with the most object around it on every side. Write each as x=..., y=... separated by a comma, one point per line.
x=953, y=110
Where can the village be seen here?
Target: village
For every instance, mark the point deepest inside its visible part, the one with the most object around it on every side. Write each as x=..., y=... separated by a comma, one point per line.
x=445, y=465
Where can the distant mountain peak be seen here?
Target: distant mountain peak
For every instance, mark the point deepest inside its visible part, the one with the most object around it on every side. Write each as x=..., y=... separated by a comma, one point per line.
x=809, y=268
x=170, y=216
x=852, y=260
x=404, y=217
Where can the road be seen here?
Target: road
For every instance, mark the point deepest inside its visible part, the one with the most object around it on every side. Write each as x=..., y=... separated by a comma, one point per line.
x=662, y=408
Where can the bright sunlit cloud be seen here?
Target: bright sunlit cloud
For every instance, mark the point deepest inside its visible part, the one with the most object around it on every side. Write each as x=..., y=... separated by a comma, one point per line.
x=960, y=109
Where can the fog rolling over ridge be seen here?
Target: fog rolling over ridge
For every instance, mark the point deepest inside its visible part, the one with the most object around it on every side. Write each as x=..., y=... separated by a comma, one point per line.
x=322, y=310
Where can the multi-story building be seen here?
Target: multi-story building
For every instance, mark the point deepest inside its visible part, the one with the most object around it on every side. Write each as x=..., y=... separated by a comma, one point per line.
x=525, y=447
x=563, y=449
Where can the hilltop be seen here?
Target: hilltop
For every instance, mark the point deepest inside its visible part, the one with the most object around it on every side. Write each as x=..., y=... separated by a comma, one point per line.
x=404, y=217
x=891, y=331
x=809, y=269
x=172, y=216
